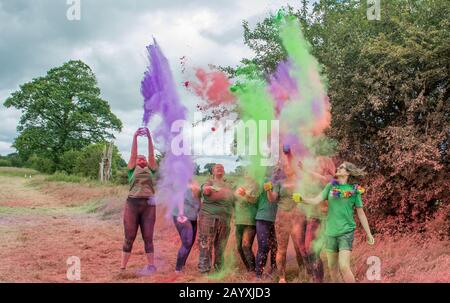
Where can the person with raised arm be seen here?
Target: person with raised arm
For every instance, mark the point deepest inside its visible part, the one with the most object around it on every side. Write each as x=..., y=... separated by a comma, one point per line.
x=266, y=213
x=140, y=209
x=343, y=195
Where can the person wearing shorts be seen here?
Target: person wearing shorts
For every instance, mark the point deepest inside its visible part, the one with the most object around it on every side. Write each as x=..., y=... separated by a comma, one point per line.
x=344, y=196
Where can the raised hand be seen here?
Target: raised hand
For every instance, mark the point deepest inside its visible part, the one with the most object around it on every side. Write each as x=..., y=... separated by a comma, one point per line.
x=268, y=186
x=370, y=239
x=297, y=197
x=241, y=191
x=207, y=190
x=145, y=132
x=181, y=219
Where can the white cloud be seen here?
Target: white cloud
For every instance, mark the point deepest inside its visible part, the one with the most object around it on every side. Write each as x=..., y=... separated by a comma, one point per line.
x=5, y=148
x=111, y=38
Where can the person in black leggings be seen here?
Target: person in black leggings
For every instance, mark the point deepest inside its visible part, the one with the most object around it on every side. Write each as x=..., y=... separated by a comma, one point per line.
x=265, y=226
x=185, y=220
x=140, y=209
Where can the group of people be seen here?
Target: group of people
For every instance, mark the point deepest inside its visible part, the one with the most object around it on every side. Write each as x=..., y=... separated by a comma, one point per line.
x=271, y=212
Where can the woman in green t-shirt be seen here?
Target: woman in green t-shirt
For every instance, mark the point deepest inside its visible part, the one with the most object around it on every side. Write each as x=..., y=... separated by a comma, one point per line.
x=343, y=195
x=244, y=219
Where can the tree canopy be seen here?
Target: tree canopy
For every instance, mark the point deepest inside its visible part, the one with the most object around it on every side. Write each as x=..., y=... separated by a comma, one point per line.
x=389, y=89
x=61, y=111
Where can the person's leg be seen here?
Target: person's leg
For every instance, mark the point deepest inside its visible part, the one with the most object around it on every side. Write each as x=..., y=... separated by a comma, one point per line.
x=332, y=249
x=247, y=244
x=298, y=235
x=311, y=239
x=345, y=244
x=262, y=237
x=130, y=224
x=147, y=218
x=220, y=243
x=239, y=231
x=185, y=230
x=283, y=230
x=194, y=234
x=344, y=266
x=333, y=266
x=205, y=240
x=273, y=246
x=147, y=224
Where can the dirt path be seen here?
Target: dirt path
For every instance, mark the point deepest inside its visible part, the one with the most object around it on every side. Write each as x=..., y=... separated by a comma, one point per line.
x=41, y=226
x=44, y=223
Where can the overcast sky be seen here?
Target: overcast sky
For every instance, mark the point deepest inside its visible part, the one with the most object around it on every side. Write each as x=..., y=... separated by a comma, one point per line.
x=35, y=35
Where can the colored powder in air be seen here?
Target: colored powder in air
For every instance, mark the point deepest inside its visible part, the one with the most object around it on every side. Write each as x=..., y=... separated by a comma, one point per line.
x=213, y=87
x=161, y=98
x=255, y=105
x=310, y=112
x=282, y=86
x=306, y=115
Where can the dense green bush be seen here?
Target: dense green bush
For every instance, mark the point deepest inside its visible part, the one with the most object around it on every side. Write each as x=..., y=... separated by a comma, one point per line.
x=68, y=161
x=12, y=160
x=121, y=176
x=86, y=161
x=41, y=164
x=5, y=162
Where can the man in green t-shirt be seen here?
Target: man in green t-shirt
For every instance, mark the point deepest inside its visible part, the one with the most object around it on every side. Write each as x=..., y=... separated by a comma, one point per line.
x=214, y=220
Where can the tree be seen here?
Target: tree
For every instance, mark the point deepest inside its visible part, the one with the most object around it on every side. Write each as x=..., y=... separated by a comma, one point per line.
x=86, y=162
x=69, y=160
x=239, y=170
x=208, y=167
x=12, y=159
x=41, y=164
x=388, y=88
x=61, y=111
x=197, y=170
x=5, y=162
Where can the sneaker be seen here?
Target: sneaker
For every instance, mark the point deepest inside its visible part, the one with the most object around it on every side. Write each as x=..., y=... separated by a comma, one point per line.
x=147, y=270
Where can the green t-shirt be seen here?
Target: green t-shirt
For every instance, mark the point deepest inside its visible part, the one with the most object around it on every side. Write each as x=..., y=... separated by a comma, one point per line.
x=220, y=208
x=131, y=172
x=340, y=218
x=285, y=202
x=267, y=211
x=130, y=175
x=244, y=212
x=311, y=189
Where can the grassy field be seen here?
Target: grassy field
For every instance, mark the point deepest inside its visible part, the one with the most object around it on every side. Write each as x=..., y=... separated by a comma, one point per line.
x=44, y=221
